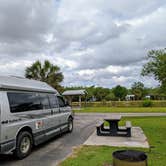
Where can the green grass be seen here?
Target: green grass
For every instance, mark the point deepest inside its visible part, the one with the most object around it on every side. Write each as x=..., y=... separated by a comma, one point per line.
x=155, y=130
x=121, y=109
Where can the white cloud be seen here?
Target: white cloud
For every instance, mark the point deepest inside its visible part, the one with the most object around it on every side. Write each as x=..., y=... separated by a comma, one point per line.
x=94, y=42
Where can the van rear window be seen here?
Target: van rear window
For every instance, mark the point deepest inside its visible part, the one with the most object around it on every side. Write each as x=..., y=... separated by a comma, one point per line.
x=20, y=102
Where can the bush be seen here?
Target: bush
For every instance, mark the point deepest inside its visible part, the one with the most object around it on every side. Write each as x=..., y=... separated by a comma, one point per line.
x=147, y=103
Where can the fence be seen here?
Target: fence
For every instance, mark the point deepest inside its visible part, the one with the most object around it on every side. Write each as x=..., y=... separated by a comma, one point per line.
x=154, y=103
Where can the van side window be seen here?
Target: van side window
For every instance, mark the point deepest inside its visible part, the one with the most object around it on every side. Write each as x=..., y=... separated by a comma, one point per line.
x=20, y=102
x=44, y=101
x=53, y=101
x=61, y=102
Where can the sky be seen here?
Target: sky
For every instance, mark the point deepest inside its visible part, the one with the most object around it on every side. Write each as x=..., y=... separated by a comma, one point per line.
x=94, y=42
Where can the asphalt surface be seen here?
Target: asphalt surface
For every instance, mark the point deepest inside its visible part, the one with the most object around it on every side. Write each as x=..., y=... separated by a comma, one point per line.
x=57, y=149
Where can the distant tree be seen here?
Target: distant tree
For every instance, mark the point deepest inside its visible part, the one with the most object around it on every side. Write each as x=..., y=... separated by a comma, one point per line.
x=100, y=93
x=110, y=97
x=90, y=92
x=45, y=72
x=138, y=90
x=120, y=92
x=156, y=66
x=154, y=93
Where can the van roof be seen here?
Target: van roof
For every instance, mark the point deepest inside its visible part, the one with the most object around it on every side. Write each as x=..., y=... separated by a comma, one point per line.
x=19, y=83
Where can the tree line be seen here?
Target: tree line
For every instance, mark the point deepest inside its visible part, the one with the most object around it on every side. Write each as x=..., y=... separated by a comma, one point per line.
x=119, y=93
x=155, y=66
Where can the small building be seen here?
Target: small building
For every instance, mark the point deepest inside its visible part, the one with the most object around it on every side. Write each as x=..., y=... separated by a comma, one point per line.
x=147, y=97
x=69, y=94
x=130, y=97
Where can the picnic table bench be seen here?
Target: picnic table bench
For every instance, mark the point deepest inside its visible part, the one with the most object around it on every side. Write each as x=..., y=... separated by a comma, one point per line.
x=113, y=128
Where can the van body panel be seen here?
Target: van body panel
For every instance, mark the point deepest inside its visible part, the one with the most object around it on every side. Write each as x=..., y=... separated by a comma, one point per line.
x=0, y=116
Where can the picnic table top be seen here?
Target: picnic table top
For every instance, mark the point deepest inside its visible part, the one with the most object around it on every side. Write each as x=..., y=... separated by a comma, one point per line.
x=113, y=118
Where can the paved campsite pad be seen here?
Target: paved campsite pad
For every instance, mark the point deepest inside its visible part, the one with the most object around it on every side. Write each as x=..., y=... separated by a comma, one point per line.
x=138, y=139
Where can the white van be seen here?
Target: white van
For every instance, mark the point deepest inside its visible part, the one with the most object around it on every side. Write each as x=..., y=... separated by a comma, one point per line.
x=31, y=112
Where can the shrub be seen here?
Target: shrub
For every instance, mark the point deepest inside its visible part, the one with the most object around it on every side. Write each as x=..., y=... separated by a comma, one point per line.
x=147, y=103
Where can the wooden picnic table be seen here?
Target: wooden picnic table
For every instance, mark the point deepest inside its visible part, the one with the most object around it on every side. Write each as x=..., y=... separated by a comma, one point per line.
x=113, y=129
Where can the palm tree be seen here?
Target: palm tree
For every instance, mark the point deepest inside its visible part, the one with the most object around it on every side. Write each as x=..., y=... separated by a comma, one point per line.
x=45, y=72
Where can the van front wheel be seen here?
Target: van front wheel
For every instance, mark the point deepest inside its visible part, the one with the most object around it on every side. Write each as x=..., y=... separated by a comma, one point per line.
x=23, y=145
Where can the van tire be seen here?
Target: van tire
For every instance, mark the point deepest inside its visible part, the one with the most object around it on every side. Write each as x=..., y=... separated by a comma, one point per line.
x=25, y=140
x=70, y=125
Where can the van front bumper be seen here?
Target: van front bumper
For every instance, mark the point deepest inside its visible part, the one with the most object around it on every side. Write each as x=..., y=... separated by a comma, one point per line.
x=7, y=147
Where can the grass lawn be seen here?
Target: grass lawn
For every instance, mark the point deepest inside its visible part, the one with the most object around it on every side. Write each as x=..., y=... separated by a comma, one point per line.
x=155, y=130
x=121, y=109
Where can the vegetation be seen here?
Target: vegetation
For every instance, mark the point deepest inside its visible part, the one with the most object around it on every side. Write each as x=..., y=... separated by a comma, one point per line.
x=156, y=66
x=147, y=103
x=102, y=155
x=120, y=92
x=138, y=90
x=101, y=93
x=46, y=72
x=121, y=110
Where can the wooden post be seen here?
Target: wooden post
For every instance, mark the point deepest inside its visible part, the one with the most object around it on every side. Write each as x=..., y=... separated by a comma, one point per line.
x=70, y=100
x=85, y=100
x=80, y=101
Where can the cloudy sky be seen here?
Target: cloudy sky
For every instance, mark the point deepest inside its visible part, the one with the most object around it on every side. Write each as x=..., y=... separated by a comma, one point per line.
x=95, y=42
